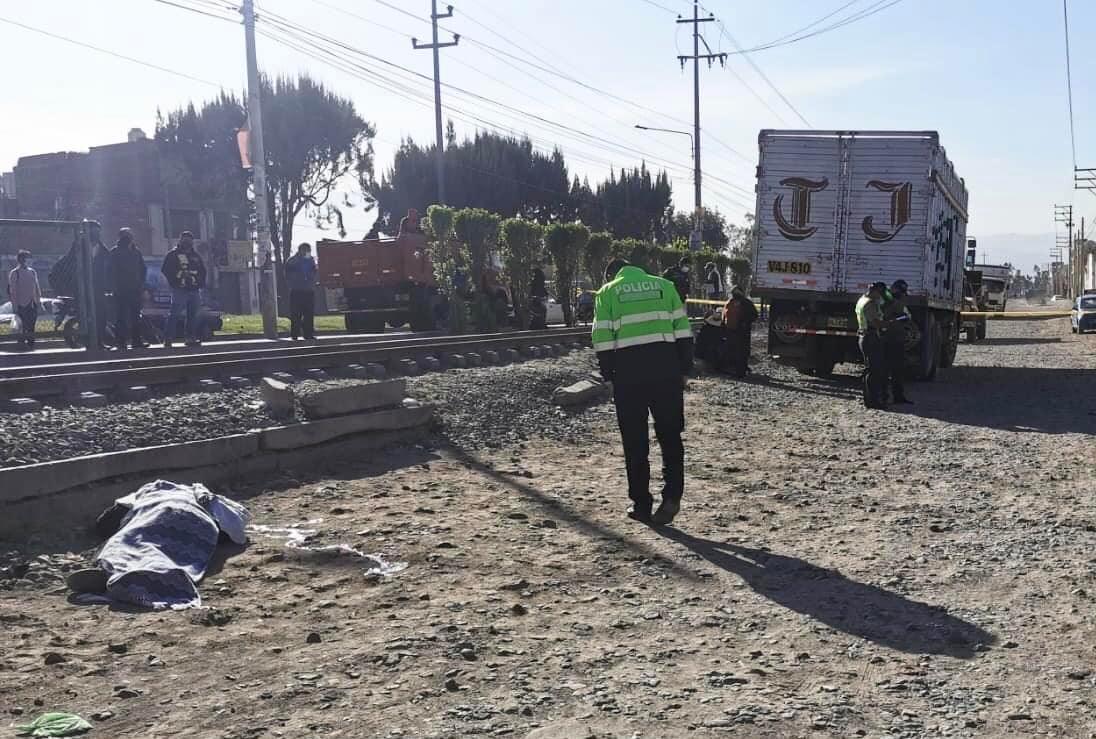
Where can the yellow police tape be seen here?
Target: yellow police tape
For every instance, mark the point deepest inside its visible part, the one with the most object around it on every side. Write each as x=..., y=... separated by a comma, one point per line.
x=988, y=315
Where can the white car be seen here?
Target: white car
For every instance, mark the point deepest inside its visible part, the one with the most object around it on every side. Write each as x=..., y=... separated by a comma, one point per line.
x=1083, y=316
x=554, y=315
x=47, y=309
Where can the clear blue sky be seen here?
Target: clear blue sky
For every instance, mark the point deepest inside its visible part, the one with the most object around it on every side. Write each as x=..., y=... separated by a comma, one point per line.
x=989, y=75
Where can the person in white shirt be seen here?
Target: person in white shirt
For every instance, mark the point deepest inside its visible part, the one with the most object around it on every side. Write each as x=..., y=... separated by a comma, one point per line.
x=25, y=294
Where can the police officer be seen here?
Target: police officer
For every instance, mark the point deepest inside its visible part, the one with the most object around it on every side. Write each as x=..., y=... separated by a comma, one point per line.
x=897, y=319
x=644, y=346
x=869, y=320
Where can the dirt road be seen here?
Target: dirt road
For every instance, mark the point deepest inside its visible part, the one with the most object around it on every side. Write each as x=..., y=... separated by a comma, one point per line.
x=834, y=572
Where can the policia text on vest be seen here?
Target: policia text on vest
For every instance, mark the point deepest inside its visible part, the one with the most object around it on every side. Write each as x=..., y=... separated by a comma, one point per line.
x=644, y=346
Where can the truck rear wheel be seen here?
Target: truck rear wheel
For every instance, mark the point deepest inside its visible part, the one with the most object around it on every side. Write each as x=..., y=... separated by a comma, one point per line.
x=950, y=343
x=930, y=350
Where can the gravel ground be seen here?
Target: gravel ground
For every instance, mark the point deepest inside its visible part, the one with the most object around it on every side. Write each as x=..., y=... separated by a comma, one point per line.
x=476, y=408
x=835, y=572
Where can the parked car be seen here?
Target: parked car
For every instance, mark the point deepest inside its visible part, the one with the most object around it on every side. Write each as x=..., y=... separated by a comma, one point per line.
x=1083, y=316
x=47, y=308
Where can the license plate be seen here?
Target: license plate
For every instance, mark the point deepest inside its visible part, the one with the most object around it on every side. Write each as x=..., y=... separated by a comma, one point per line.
x=837, y=322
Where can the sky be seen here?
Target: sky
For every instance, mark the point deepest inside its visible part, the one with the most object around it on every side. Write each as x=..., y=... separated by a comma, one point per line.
x=989, y=76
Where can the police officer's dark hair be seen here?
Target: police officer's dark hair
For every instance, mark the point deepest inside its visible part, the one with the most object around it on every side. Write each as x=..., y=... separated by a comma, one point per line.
x=900, y=286
x=615, y=266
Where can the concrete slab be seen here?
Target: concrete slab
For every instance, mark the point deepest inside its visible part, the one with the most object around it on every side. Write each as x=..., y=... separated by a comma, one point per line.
x=317, y=432
x=473, y=359
x=561, y=349
x=355, y=371
x=283, y=377
x=134, y=393
x=316, y=374
x=430, y=364
x=22, y=405
x=409, y=367
x=548, y=350
x=376, y=371
x=530, y=352
x=583, y=391
x=279, y=397
x=239, y=382
x=456, y=361
x=208, y=386
x=510, y=355
x=491, y=357
x=346, y=399
x=88, y=399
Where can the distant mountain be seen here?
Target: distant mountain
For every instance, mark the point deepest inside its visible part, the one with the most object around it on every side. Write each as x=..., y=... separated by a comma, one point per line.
x=1024, y=251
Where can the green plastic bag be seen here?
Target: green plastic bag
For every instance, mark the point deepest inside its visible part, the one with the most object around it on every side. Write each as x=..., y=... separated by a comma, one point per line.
x=55, y=724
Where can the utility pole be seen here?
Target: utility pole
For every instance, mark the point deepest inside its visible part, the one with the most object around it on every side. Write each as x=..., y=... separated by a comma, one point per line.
x=1064, y=214
x=268, y=291
x=696, y=20
x=435, y=46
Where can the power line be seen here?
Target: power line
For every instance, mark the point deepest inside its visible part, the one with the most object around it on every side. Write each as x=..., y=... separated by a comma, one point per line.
x=877, y=7
x=1069, y=84
x=108, y=52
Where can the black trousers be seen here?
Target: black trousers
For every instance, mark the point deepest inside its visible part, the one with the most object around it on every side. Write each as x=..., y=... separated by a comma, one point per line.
x=895, y=350
x=738, y=344
x=875, y=370
x=28, y=316
x=302, y=311
x=665, y=401
x=127, y=319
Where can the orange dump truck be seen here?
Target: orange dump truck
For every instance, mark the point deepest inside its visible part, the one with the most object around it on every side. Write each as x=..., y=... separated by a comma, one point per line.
x=379, y=281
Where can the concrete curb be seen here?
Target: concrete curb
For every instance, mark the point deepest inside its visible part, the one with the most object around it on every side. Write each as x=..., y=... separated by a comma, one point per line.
x=61, y=485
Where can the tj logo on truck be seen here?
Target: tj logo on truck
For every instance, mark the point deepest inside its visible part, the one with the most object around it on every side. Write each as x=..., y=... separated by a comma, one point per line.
x=797, y=228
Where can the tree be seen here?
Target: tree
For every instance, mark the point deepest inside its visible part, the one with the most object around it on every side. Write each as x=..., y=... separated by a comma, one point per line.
x=636, y=204
x=313, y=139
x=596, y=258
x=638, y=252
x=448, y=256
x=713, y=229
x=478, y=230
x=565, y=242
x=522, y=247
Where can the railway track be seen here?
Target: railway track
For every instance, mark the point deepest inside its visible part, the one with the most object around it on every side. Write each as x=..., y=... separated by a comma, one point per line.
x=66, y=379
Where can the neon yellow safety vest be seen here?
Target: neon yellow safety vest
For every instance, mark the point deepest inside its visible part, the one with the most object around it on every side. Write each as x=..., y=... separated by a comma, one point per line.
x=637, y=308
x=862, y=319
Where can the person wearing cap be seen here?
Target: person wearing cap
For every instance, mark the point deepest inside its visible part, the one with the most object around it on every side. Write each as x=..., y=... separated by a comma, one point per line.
x=869, y=320
x=300, y=274
x=186, y=274
x=738, y=319
x=897, y=319
x=644, y=346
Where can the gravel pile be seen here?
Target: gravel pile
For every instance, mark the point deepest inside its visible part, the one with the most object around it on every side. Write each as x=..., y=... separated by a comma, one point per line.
x=477, y=408
x=493, y=407
x=62, y=433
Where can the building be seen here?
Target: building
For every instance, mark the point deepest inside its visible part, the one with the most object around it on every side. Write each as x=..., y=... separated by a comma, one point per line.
x=128, y=184
x=132, y=184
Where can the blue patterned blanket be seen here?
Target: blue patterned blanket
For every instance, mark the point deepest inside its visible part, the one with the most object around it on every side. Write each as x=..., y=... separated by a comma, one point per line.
x=166, y=542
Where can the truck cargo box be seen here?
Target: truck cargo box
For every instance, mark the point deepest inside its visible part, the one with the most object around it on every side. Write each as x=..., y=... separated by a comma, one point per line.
x=839, y=210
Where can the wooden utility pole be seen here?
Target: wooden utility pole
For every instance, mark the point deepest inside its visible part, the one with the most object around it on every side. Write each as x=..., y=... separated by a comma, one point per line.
x=435, y=46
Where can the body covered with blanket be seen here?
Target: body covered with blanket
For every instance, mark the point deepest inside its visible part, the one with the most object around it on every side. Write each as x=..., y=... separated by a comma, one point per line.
x=164, y=536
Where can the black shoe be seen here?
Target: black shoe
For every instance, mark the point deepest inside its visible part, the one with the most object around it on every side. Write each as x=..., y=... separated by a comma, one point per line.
x=640, y=515
x=666, y=512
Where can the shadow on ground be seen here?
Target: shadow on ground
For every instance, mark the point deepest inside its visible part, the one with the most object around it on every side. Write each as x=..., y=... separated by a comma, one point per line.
x=851, y=607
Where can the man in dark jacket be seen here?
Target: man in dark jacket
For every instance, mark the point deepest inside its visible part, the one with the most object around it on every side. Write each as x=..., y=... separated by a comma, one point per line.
x=738, y=319
x=679, y=275
x=538, y=299
x=300, y=274
x=104, y=279
x=897, y=318
x=128, y=271
x=186, y=274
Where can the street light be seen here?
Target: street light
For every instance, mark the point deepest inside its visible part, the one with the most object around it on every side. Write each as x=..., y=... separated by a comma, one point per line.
x=694, y=240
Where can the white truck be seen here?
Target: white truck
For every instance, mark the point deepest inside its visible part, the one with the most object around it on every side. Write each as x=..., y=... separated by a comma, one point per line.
x=839, y=210
x=996, y=279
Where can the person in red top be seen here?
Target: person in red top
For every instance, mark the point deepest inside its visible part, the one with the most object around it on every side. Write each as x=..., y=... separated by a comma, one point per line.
x=738, y=317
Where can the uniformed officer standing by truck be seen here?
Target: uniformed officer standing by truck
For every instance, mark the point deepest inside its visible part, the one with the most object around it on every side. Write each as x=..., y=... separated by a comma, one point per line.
x=869, y=320
x=897, y=319
x=644, y=346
